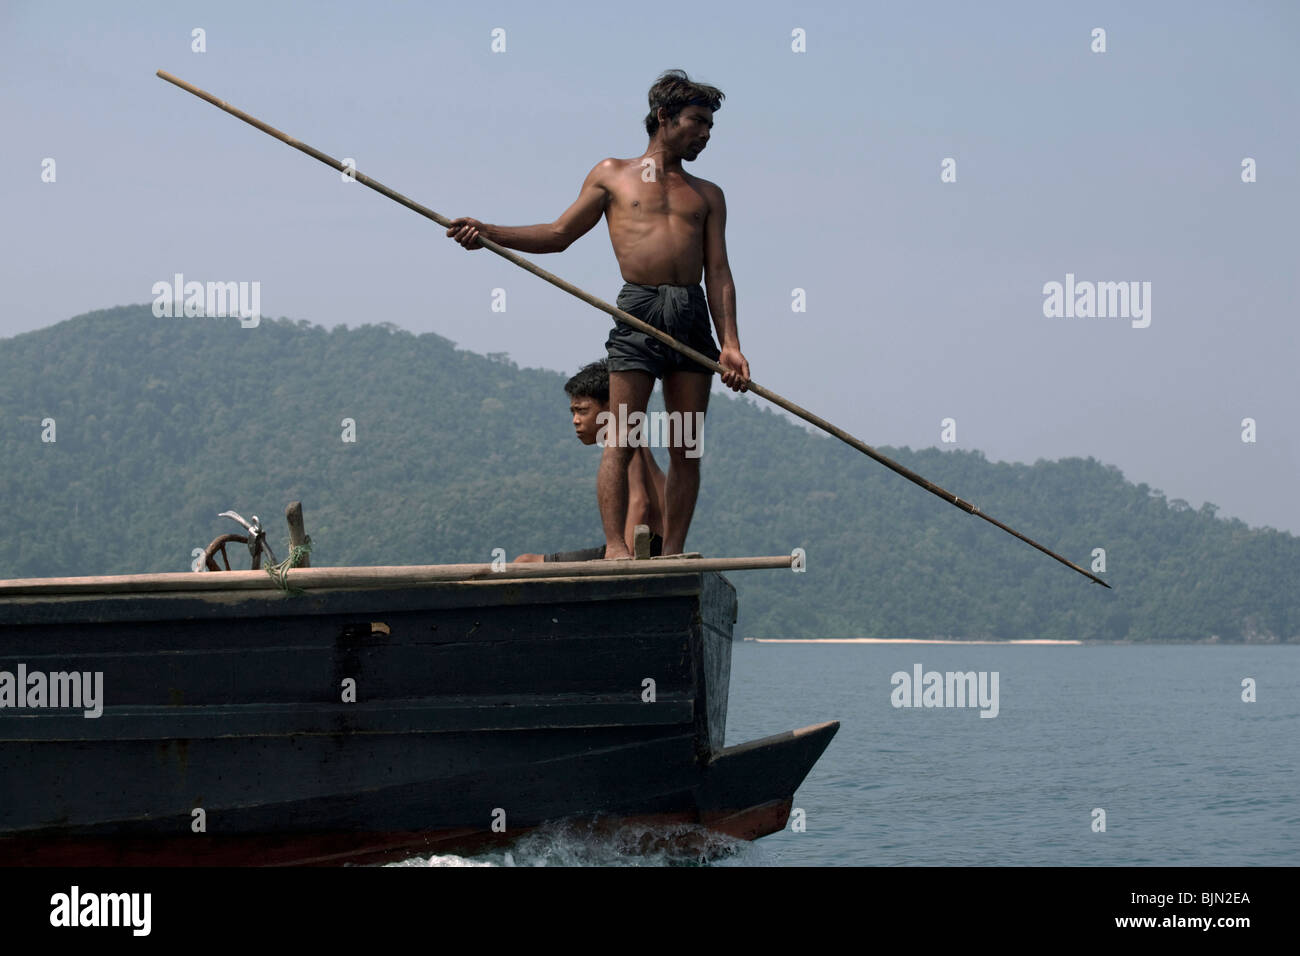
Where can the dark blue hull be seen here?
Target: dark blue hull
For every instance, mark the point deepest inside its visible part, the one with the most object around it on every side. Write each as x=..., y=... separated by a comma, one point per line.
x=359, y=724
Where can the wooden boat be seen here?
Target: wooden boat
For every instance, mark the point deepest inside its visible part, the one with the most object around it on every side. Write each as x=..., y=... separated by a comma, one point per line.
x=378, y=714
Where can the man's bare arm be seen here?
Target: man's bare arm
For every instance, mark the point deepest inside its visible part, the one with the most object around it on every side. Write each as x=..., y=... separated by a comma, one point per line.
x=574, y=222
x=721, y=290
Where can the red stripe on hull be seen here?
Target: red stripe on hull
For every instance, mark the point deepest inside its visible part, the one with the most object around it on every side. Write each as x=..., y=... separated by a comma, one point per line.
x=336, y=848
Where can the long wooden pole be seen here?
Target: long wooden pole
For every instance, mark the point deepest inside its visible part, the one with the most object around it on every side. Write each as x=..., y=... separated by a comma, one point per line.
x=628, y=319
x=381, y=576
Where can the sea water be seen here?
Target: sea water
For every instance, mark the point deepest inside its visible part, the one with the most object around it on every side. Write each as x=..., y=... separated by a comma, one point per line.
x=1097, y=756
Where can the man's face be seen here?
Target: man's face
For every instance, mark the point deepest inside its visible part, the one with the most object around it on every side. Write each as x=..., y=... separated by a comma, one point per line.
x=584, y=411
x=688, y=133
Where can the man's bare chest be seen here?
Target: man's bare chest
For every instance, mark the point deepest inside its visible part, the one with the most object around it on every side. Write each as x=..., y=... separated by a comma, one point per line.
x=671, y=197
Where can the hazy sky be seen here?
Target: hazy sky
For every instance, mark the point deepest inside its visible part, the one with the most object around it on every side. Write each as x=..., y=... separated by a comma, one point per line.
x=925, y=299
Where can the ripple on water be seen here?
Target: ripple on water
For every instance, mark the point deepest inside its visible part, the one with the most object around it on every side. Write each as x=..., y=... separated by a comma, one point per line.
x=584, y=843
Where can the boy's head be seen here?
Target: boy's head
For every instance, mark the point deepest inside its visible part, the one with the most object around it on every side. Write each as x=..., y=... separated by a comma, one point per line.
x=588, y=392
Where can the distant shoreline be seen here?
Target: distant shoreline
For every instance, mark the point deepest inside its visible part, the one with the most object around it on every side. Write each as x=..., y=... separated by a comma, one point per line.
x=1043, y=641
x=892, y=640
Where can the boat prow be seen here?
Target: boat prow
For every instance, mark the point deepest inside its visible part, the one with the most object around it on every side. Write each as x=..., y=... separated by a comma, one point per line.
x=749, y=788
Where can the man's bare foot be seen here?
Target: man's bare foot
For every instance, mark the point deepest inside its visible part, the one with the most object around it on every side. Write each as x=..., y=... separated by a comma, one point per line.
x=623, y=555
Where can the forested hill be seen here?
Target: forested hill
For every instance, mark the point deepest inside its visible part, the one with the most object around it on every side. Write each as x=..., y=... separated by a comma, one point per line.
x=162, y=423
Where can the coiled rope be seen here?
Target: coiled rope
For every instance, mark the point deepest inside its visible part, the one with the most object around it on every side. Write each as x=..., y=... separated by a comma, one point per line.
x=280, y=572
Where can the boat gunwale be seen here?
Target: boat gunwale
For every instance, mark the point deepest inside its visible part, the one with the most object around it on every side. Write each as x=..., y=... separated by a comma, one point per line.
x=350, y=578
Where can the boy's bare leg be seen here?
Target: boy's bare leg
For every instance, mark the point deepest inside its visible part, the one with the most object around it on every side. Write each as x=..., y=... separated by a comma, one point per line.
x=628, y=392
x=687, y=393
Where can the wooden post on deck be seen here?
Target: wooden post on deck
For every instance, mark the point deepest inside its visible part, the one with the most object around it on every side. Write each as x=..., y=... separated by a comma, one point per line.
x=297, y=533
x=641, y=541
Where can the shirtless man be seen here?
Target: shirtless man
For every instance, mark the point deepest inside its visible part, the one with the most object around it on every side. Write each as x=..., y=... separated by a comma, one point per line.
x=588, y=393
x=667, y=228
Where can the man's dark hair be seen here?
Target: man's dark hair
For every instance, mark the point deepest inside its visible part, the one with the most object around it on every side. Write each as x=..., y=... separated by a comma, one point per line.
x=674, y=91
x=591, y=381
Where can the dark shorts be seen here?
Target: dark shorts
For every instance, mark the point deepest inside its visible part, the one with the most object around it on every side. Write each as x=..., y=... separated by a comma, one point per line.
x=595, y=554
x=680, y=310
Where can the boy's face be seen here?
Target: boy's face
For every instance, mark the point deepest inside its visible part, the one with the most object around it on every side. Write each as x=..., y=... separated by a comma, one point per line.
x=584, y=411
